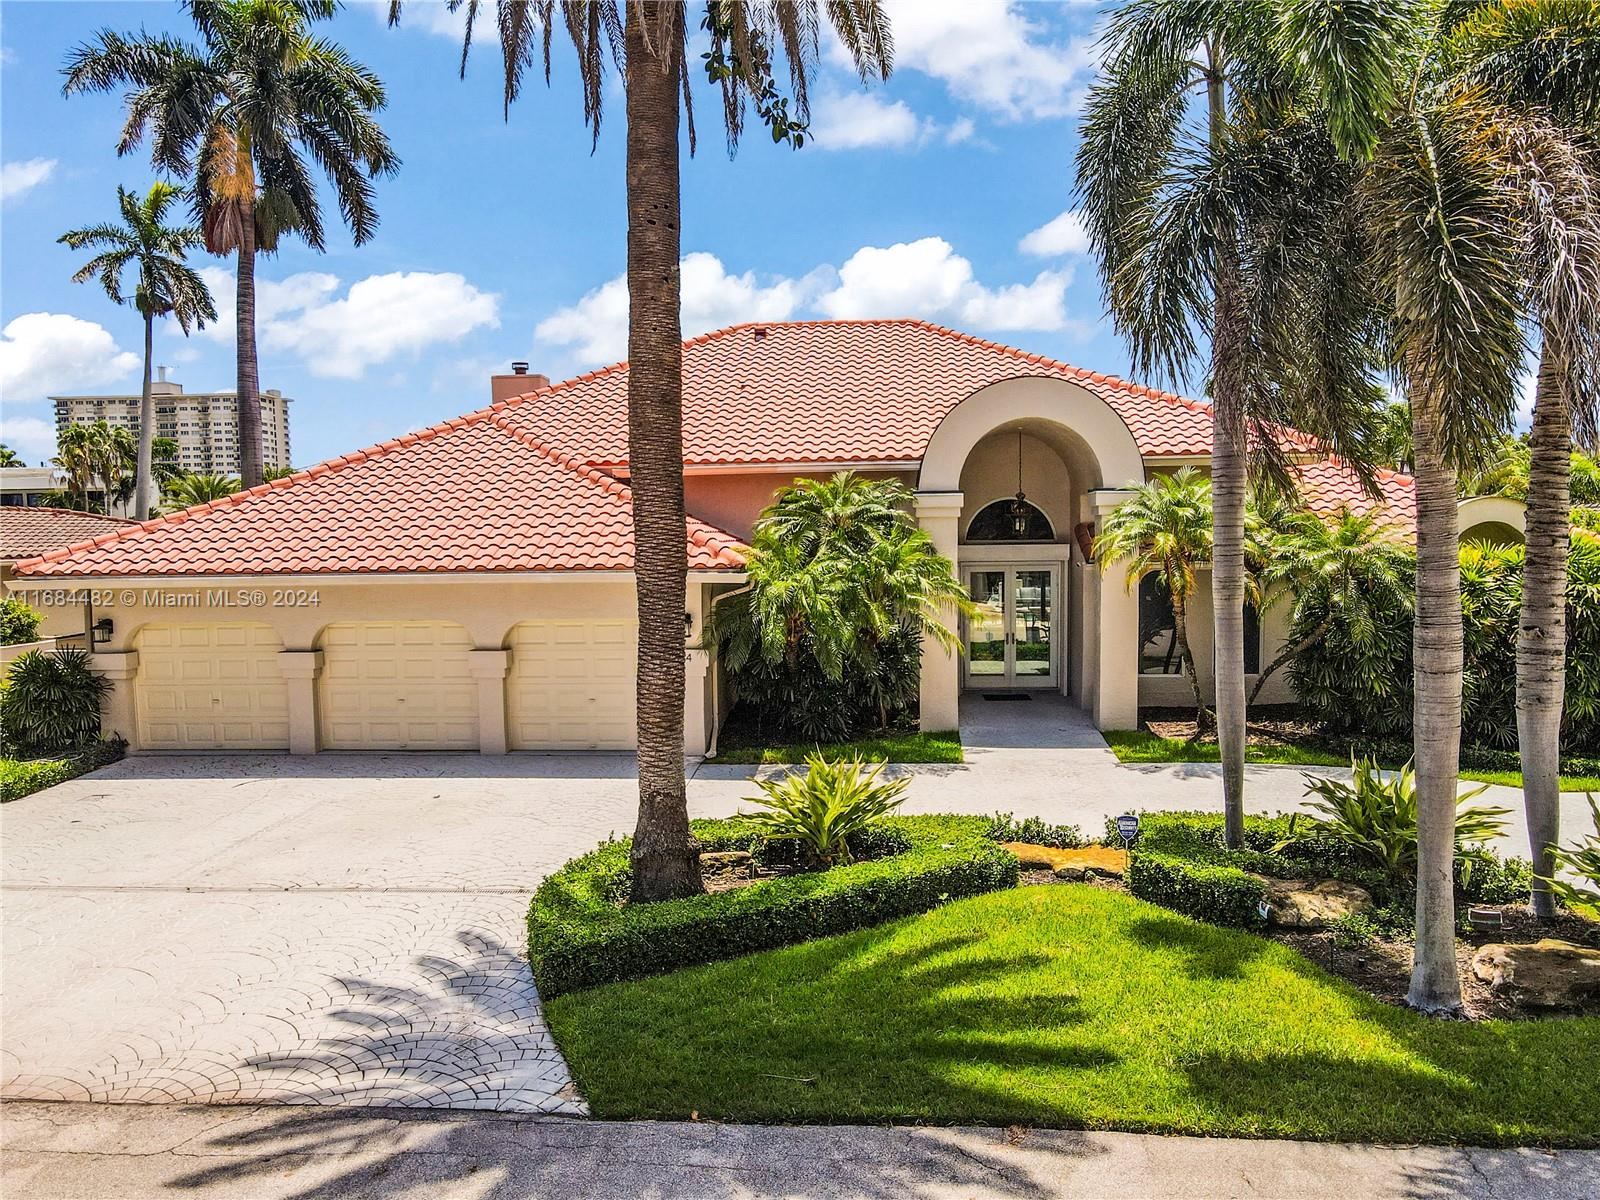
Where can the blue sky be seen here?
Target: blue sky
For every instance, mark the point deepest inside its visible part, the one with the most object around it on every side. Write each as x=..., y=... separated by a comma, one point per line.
x=944, y=194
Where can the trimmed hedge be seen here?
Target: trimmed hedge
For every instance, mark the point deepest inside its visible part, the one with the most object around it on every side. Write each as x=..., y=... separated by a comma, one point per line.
x=581, y=934
x=1181, y=863
x=23, y=777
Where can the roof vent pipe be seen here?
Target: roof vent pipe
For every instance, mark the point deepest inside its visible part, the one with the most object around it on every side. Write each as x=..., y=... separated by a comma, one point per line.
x=519, y=368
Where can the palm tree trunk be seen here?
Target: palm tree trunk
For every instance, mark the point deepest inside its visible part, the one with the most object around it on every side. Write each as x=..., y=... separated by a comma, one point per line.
x=1436, y=715
x=1228, y=483
x=1542, y=631
x=664, y=861
x=247, y=395
x=1180, y=627
x=142, y=465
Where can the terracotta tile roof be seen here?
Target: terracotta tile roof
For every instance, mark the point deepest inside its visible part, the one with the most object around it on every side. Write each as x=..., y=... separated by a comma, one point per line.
x=472, y=494
x=835, y=391
x=30, y=532
x=1331, y=485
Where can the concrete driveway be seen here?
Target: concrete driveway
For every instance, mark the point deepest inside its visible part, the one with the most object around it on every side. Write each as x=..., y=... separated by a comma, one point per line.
x=348, y=929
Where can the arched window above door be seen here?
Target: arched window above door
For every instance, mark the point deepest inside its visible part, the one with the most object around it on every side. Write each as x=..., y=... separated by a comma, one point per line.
x=1010, y=521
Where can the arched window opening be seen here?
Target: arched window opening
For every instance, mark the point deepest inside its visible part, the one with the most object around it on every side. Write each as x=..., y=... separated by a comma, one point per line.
x=1011, y=520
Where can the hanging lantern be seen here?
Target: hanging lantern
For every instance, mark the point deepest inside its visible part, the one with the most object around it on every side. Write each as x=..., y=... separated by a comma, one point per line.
x=1020, y=508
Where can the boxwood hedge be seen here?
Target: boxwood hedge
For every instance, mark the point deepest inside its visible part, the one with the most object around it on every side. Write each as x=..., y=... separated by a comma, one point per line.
x=581, y=934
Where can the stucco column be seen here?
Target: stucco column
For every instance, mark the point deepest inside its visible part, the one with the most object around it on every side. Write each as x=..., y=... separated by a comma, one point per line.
x=1115, y=689
x=300, y=669
x=116, y=714
x=939, y=514
x=489, y=668
x=696, y=669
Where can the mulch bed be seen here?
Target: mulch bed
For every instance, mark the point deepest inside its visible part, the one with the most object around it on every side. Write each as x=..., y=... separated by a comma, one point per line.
x=1278, y=726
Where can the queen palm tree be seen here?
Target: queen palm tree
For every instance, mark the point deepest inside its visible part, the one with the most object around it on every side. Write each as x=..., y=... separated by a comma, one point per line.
x=649, y=45
x=1542, y=58
x=1224, y=240
x=239, y=115
x=166, y=287
x=1165, y=530
x=9, y=457
x=95, y=456
x=186, y=491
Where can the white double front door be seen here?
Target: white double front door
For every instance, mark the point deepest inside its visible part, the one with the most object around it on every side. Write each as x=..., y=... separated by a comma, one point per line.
x=1011, y=640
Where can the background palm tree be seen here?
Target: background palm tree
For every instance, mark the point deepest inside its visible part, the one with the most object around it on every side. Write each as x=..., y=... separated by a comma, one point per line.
x=185, y=491
x=1542, y=58
x=166, y=287
x=96, y=457
x=648, y=43
x=9, y=457
x=239, y=115
x=1165, y=530
x=1223, y=237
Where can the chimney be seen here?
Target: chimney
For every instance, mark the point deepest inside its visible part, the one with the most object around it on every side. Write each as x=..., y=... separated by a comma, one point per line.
x=519, y=382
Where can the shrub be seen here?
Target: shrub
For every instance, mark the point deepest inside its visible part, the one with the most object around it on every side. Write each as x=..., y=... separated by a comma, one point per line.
x=19, y=779
x=580, y=934
x=1583, y=860
x=1354, y=931
x=51, y=702
x=1221, y=894
x=19, y=622
x=1003, y=827
x=821, y=807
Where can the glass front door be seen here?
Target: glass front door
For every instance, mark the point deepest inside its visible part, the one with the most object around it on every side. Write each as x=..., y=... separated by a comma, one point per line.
x=1011, y=642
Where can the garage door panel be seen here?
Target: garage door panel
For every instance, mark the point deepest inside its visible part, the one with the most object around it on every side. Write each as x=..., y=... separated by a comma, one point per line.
x=210, y=687
x=398, y=685
x=570, y=685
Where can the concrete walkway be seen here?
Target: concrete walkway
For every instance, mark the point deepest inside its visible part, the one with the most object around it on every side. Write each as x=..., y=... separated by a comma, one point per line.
x=89, y=1152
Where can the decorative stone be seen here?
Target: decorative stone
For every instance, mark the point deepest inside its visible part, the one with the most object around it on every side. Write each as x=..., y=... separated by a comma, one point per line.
x=1072, y=874
x=1304, y=904
x=726, y=858
x=1085, y=860
x=1547, y=974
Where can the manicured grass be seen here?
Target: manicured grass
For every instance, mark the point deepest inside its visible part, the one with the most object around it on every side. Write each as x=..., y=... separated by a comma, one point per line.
x=1137, y=746
x=23, y=777
x=941, y=747
x=1075, y=1007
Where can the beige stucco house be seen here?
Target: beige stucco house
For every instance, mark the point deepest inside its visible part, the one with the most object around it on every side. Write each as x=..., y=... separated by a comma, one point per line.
x=360, y=605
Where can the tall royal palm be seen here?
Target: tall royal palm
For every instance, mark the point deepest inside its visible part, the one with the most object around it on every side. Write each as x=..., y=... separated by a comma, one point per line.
x=240, y=115
x=1541, y=58
x=649, y=44
x=1223, y=242
x=167, y=286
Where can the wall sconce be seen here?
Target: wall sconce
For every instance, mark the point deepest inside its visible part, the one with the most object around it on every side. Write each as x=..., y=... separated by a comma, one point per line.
x=688, y=621
x=101, y=631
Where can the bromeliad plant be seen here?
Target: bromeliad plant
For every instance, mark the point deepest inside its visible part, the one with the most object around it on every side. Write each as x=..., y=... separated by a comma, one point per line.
x=1376, y=817
x=823, y=807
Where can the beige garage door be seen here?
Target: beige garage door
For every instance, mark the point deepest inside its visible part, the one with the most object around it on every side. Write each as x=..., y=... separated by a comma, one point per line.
x=571, y=685
x=398, y=685
x=210, y=687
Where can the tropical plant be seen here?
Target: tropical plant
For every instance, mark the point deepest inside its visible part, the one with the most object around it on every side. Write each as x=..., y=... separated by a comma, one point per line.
x=9, y=457
x=1227, y=247
x=1376, y=817
x=824, y=806
x=1582, y=860
x=238, y=116
x=1333, y=575
x=268, y=474
x=166, y=287
x=51, y=702
x=1392, y=444
x=843, y=589
x=96, y=457
x=186, y=491
x=649, y=46
x=19, y=621
x=1165, y=530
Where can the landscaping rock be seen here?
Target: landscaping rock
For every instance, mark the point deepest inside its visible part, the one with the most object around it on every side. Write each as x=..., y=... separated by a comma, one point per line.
x=726, y=858
x=1304, y=904
x=1071, y=864
x=1547, y=974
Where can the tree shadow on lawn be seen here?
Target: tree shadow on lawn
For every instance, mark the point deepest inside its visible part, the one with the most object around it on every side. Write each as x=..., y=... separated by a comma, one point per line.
x=1207, y=952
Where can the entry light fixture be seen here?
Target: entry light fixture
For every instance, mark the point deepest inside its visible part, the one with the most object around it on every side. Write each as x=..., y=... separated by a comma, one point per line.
x=1020, y=506
x=101, y=631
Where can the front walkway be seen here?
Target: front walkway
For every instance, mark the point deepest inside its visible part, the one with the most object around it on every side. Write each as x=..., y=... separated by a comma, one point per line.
x=90, y=1151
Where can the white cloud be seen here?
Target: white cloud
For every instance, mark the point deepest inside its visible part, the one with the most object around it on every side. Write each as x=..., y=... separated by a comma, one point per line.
x=863, y=120
x=33, y=440
x=380, y=318
x=596, y=327
x=1066, y=234
x=51, y=353
x=927, y=278
x=430, y=16
x=989, y=54
x=19, y=178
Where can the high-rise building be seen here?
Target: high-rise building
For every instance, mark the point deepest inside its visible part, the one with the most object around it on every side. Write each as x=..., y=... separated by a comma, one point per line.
x=204, y=424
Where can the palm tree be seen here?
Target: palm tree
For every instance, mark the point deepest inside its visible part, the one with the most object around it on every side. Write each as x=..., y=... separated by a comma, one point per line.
x=1165, y=530
x=648, y=43
x=239, y=115
x=94, y=456
x=1348, y=570
x=186, y=491
x=167, y=286
x=9, y=457
x=1224, y=239
x=1543, y=60
x=1393, y=443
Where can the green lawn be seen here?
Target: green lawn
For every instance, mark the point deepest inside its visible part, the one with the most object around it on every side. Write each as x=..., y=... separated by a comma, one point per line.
x=1137, y=746
x=942, y=747
x=1076, y=1007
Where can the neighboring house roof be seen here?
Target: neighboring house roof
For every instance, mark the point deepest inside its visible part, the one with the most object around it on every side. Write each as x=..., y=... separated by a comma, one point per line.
x=29, y=532
x=836, y=391
x=469, y=495
x=1332, y=485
